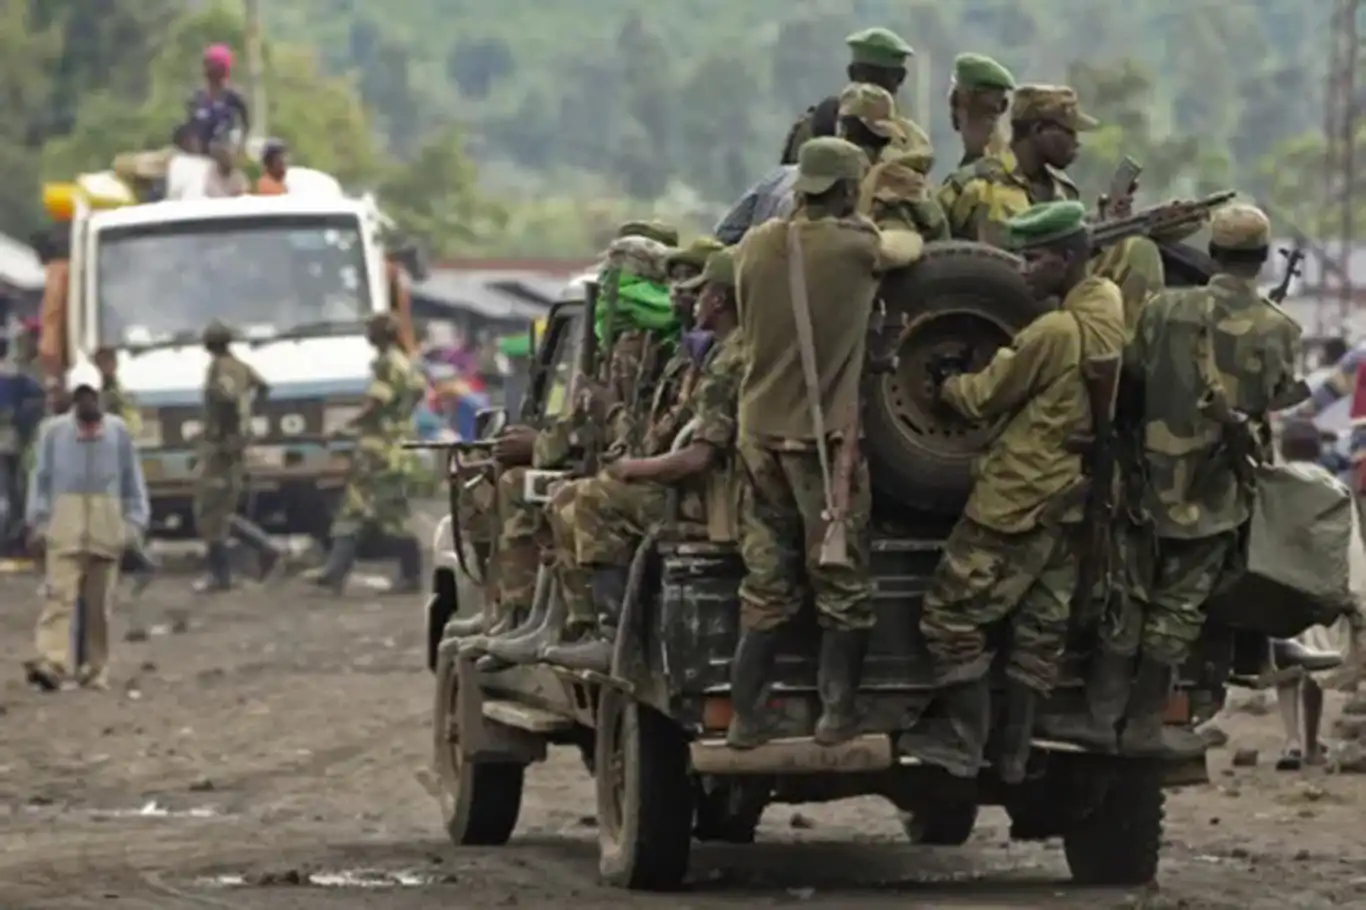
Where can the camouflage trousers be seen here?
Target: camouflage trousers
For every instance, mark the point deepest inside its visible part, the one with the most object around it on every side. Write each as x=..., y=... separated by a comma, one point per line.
x=781, y=529
x=219, y=484
x=986, y=577
x=1187, y=574
x=598, y=522
x=522, y=535
x=376, y=495
x=1135, y=264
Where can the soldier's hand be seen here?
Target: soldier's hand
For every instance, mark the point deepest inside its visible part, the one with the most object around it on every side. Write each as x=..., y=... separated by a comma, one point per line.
x=513, y=447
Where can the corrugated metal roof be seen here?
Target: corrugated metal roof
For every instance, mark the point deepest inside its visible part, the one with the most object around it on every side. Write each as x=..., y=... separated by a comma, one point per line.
x=494, y=294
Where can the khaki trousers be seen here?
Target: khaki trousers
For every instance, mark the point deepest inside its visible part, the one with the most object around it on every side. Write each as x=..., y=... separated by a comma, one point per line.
x=69, y=578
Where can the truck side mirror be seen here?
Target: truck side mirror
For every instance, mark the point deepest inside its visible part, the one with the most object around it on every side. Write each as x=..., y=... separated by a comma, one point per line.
x=489, y=422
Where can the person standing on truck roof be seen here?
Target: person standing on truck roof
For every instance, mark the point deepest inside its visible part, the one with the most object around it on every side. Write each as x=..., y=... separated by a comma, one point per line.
x=216, y=109
x=1194, y=349
x=232, y=389
x=978, y=98
x=598, y=522
x=274, y=166
x=87, y=497
x=223, y=178
x=822, y=266
x=1012, y=556
x=376, y=497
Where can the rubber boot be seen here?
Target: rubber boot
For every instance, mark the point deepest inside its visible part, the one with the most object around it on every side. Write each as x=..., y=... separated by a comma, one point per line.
x=527, y=648
x=340, y=559
x=751, y=672
x=1290, y=653
x=219, y=566
x=1107, y=695
x=968, y=706
x=409, y=579
x=464, y=627
x=837, y=681
x=1018, y=733
x=1144, y=734
x=594, y=652
x=268, y=555
x=510, y=625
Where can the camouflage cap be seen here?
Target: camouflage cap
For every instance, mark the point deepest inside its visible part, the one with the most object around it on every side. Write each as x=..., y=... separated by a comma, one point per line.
x=1045, y=223
x=655, y=230
x=1240, y=226
x=694, y=254
x=1053, y=103
x=878, y=47
x=978, y=71
x=641, y=256
x=217, y=332
x=720, y=269
x=823, y=162
x=873, y=105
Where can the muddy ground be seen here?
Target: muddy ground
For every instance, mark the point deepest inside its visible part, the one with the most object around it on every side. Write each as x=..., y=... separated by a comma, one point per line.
x=278, y=736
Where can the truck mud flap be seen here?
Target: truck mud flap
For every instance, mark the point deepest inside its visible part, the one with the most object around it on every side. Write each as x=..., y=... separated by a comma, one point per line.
x=795, y=755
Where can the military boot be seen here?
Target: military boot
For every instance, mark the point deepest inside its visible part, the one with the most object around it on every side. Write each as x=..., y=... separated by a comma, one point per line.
x=463, y=627
x=254, y=537
x=959, y=749
x=594, y=651
x=506, y=651
x=837, y=681
x=218, y=576
x=409, y=579
x=1144, y=734
x=509, y=624
x=1107, y=694
x=1016, y=739
x=751, y=673
x=340, y=559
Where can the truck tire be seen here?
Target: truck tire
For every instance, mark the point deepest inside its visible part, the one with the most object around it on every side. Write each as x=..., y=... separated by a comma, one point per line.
x=480, y=800
x=645, y=796
x=960, y=294
x=948, y=825
x=1118, y=843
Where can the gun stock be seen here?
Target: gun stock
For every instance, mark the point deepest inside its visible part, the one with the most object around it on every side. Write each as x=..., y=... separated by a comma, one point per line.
x=1101, y=378
x=1293, y=257
x=834, y=549
x=1157, y=219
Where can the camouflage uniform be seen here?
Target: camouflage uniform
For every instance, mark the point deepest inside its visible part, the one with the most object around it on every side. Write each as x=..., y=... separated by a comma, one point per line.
x=376, y=495
x=782, y=509
x=1012, y=556
x=231, y=388
x=979, y=83
x=996, y=190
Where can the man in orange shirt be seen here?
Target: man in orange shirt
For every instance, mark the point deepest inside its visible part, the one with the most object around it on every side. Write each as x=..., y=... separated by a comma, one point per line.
x=274, y=165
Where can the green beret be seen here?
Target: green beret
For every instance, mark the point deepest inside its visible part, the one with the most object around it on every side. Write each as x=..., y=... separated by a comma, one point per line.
x=694, y=254
x=1047, y=222
x=654, y=230
x=720, y=269
x=977, y=71
x=878, y=47
x=826, y=160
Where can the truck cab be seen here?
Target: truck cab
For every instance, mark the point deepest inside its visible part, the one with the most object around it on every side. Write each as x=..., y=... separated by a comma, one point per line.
x=296, y=276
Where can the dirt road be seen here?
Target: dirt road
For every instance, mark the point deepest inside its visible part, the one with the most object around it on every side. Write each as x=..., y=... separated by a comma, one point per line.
x=265, y=757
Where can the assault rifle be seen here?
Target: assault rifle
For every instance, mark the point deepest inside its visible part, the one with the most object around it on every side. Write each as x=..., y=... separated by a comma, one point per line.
x=1293, y=258
x=462, y=475
x=1157, y=219
x=1101, y=377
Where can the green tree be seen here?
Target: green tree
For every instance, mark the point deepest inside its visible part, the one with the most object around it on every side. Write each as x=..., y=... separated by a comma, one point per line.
x=435, y=198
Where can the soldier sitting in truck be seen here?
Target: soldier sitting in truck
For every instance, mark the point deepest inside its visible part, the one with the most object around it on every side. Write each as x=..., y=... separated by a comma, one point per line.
x=599, y=521
x=1013, y=554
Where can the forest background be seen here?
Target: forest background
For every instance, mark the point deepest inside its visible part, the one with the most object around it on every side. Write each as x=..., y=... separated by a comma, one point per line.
x=530, y=128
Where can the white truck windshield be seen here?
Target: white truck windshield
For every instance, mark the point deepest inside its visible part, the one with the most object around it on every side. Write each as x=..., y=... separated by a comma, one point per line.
x=269, y=275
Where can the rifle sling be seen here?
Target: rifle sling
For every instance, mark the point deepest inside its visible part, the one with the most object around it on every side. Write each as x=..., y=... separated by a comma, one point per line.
x=806, y=346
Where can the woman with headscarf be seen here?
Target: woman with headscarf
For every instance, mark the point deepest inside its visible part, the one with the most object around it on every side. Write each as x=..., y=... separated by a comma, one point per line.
x=216, y=108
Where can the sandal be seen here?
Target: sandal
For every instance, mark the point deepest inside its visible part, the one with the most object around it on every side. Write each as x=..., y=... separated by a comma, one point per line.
x=1292, y=759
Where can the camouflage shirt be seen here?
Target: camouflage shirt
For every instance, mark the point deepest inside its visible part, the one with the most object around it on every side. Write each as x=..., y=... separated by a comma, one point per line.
x=1036, y=386
x=230, y=390
x=1192, y=343
x=895, y=196
x=397, y=386
x=714, y=403
x=994, y=192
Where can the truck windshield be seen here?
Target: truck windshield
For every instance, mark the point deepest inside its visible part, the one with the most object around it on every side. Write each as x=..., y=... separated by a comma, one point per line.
x=268, y=275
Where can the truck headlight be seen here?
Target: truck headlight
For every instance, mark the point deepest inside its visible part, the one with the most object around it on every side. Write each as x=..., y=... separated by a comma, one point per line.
x=338, y=416
x=149, y=433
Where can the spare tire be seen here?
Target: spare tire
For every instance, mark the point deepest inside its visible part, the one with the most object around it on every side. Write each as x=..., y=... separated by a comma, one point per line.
x=959, y=294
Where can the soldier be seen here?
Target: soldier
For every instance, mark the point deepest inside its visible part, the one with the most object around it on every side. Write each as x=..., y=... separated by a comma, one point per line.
x=824, y=259
x=231, y=390
x=877, y=57
x=894, y=193
x=376, y=497
x=1012, y=556
x=1212, y=363
x=978, y=98
x=1045, y=122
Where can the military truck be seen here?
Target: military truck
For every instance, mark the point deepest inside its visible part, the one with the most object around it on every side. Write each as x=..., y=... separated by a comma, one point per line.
x=652, y=731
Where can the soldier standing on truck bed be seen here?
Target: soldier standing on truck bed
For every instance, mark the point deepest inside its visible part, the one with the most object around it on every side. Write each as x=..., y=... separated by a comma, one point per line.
x=978, y=99
x=1013, y=554
x=1211, y=363
x=231, y=390
x=376, y=496
x=598, y=522
x=807, y=284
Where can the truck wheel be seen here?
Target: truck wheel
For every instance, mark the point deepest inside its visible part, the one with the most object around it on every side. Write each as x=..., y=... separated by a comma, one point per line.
x=480, y=800
x=645, y=796
x=949, y=825
x=730, y=812
x=1118, y=842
